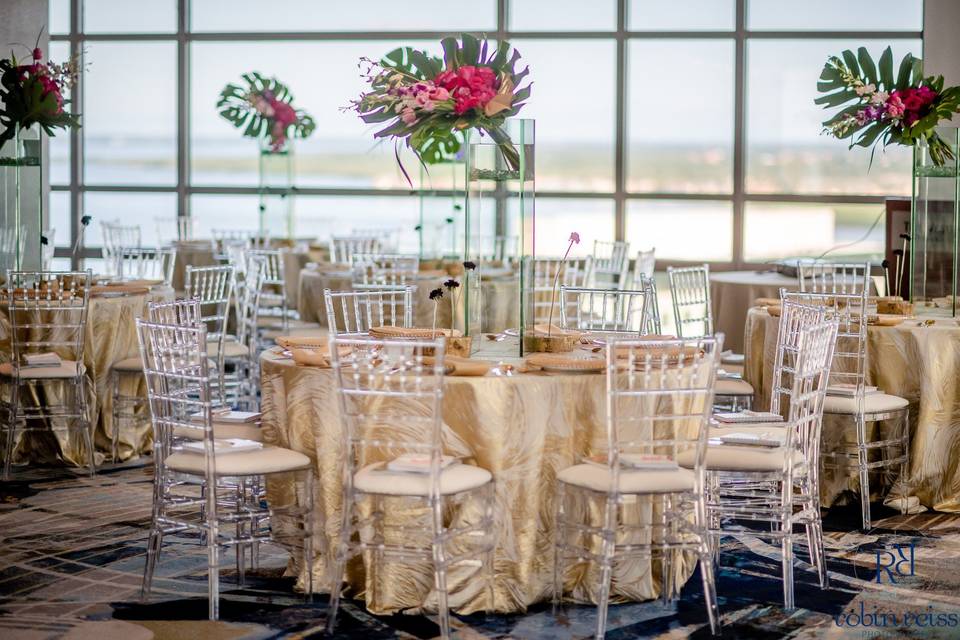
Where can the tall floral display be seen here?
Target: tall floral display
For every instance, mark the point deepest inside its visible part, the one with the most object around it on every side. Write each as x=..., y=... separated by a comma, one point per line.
x=33, y=99
x=263, y=109
x=463, y=105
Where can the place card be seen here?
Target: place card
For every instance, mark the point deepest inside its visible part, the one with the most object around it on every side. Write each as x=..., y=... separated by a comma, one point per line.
x=224, y=446
x=747, y=417
x=751, y=440
x=417, y=463
x=636, y=461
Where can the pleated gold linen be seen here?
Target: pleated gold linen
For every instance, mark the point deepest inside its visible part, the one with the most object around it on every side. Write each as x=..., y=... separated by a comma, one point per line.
x=523, y=429
x=921, y=364
x=499, y=299
x=110, y=337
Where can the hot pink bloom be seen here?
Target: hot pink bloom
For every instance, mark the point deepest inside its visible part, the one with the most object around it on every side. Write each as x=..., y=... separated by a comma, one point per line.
x=283, y=113
x=471, y=87
x=575, y=237
x=37, y=54
x=894, y=106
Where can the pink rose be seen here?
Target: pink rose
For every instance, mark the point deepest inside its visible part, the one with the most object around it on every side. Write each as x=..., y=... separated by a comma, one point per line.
x=408, y=116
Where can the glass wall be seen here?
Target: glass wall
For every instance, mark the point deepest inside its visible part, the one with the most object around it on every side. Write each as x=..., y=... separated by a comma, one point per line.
x=685, y=125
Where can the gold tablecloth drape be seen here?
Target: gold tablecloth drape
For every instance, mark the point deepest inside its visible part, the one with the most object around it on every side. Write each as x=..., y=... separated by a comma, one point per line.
x=499, y=298
x=110, y=336
x=921, y=364
x=523, y=429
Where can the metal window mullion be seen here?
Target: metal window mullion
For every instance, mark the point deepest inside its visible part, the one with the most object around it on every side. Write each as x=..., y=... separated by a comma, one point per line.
x=501, y=193
x=739, y=132
x=76, y=138
x=620, y=124
x=183, y=114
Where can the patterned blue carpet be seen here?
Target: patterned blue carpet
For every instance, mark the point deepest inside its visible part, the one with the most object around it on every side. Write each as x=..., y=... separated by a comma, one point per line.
x=72, y=551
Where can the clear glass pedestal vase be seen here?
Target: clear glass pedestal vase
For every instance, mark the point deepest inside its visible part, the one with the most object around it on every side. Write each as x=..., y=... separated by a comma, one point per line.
x=276, y=191
x=441, y=195
x=934, y=227
x=500, y=219
x=21, y=200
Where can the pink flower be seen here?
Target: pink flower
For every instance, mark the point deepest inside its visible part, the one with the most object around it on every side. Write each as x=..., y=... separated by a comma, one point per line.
x=408, y=116
x=439, y=94
x=575, y=237
x=283, y=113
x=895, y=106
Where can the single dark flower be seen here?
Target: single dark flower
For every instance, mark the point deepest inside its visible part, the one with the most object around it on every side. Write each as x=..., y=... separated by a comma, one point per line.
x=449, y=220
x=436, y=294
x=43, y=240
x=885, y=264
x=85, y=220
x=906, y=236
x=898, y=252
x=458, y=207
x=419, y=227
x=469, y=265
x=451, y=284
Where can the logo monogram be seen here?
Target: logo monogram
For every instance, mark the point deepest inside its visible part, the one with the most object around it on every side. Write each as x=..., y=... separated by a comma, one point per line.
x=895, y=562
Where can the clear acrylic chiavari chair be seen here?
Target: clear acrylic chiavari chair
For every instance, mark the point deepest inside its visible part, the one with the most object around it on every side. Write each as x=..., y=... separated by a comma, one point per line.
x=610, y=262
x=693, y=316
x=776, y=489
x=390, y=400
x=342, y=248
x=834, y=277
x=273, y=297
x=849, y=398
x=575, y=272
x=648, y=284
x=353, y=313
x=177, y=371
x=659, y=398
x=146, y=263
x=45, y=380
x=213, y=288
x=384, y=270
x=644, y=265
x=117, y=236
x=243, y=354
x=605, y=310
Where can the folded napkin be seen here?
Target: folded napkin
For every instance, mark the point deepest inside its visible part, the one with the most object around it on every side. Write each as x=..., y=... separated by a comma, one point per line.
x=224, y=445
x=144, y=282
x=464, y=366
x=117, y=290
x=316, y=356
x=35, y=360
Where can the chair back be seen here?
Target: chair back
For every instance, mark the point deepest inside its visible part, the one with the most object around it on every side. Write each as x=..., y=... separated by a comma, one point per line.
x=833, y=277
x=390, y=395
x=659, y=399
x=542, y=272
x=795, y=316
x=353, y=313
x=212, y=287
x=185, y=313
x=118, y=236
x=610, y=261
x=645, y=264
x=47, y=311
x=648, y=284
x=383, y=270
x=136, y=263
x=248, y=307
x=605, y=310
x=690, y=293
x=386, y=238
x=342, y=248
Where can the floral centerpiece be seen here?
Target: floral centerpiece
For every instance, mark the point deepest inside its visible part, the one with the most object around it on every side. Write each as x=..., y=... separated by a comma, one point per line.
x=32, y=93
x=885, y=108
x=263, y=109
x=429, y=102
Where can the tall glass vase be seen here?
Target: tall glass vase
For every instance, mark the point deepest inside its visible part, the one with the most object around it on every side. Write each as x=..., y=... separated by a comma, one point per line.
x=934, y=249
x=21, y=200
x=441, y=196
x=500, y=218
x=276, y=191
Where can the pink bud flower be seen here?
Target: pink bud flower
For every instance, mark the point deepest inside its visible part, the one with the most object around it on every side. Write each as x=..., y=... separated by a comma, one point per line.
x=37, y=54
x=575, y=237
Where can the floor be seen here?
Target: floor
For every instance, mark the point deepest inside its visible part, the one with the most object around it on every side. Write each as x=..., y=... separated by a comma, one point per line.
x=72, y=553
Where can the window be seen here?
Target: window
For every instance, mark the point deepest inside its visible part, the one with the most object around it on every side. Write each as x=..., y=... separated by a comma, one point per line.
x=639, y=129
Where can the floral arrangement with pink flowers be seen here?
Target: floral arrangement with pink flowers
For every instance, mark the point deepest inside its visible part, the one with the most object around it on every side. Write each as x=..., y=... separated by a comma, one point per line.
x=264, y=109
x=32, y=93
x=429, y=102
x=885, y=108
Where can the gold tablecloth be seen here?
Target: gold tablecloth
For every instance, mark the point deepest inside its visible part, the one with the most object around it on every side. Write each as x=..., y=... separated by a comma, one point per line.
x=110, y=336
x=523, y=429
x=501, y=306
x=732, y=293
x=921, y=364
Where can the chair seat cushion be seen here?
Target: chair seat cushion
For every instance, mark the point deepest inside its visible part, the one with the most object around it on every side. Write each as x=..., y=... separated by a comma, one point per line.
x=247, y=431
x=231, y=349
x=724, y=457
x=732, y=369
x=66, y=369
x=375, y=478
x=247, y=463
x=872, y=403
x=597, y=478
x=129, y=365
x=317, y=331
x=733, y=387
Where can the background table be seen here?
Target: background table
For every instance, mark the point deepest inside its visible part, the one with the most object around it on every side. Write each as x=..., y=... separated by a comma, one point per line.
x=523, y=429
x=501, y=306
x=732, y=293
x=921, y=364
x=110, y=336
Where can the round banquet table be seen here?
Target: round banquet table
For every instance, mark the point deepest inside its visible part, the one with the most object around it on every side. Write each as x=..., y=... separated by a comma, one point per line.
x=523, y=429
x=110, y=336
x=499, y=299
x=732, y=293
x=921, y=364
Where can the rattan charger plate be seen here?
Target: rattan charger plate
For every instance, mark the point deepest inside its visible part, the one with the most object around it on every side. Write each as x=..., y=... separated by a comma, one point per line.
x=565, y=364
x=412, y=332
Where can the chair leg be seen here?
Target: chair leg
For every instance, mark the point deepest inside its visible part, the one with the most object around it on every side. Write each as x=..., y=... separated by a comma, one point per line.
x=707, y=567
x=489, y=557
x=340, y=559
x=308, y=531
x=239, y=495
x=115, y=436
x=153, y=554
x=559, y=540
x=862, y=461
x=667, y=556
x=905, y=464
x=440, y=568
x=606, y=569
x=11, y=430
x=786, y=545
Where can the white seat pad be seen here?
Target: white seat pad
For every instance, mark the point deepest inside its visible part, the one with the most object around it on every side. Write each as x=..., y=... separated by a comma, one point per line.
x=597, y=478
x=249, y=431
x=315, y=332
x=872, y=403
x=733, y=387
x=246, y=463
x=67, y=369
x=725, y=457
x=375, y=478
x=231, y=349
